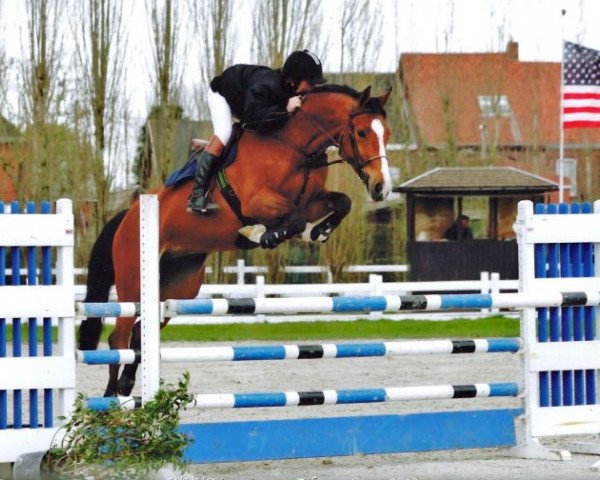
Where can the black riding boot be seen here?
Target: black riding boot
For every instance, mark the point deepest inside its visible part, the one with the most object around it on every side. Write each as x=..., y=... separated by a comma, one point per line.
x=199, y=202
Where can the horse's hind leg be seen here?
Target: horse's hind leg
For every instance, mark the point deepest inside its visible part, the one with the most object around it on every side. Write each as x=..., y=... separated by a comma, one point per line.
x=180, y=277
x=127, y=380
x=118, y=339
x=115, y=341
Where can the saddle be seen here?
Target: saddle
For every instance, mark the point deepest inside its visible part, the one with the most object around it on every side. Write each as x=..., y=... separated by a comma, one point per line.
x=197, y=145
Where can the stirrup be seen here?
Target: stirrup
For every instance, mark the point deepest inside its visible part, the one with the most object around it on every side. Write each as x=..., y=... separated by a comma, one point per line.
x=201, y=205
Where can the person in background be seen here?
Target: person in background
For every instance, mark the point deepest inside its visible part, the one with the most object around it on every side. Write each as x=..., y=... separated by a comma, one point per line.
x=460, y=229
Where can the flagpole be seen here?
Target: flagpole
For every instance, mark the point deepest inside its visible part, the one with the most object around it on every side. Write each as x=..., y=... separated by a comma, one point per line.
x=561, y=152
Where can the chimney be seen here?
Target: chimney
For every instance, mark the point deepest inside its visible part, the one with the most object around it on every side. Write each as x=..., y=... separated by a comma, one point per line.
x=512, y=50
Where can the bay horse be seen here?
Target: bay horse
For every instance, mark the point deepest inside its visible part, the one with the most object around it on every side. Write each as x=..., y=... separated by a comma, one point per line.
x=280, y=182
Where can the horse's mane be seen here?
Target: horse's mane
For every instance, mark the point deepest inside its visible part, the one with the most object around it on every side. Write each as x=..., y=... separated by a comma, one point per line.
x=372, y=105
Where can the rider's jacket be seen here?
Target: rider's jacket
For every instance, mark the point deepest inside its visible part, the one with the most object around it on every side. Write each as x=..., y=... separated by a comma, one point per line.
x=257, y=95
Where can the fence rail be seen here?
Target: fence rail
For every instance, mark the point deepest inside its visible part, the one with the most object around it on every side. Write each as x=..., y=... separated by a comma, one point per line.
x=487, y=283
x=240, y=270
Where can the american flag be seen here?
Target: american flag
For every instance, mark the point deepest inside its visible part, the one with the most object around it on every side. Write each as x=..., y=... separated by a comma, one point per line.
x=581, y=86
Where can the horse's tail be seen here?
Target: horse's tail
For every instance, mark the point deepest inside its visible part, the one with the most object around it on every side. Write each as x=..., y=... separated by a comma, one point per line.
x=100, y=278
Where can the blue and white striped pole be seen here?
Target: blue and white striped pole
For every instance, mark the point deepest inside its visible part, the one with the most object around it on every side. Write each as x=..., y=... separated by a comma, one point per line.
x=300, y=352
x=386, y=303
x=329, y=397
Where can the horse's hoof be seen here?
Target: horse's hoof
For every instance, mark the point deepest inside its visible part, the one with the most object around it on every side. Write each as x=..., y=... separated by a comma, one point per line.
x=253, y=232
x=125, y=387
x=110, y=392
x=271, y=239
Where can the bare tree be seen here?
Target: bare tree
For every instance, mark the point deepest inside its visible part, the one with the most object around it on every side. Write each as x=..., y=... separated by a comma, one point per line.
x=361, y=27
x=168, y=72
x=101, y=44
x=43, y=92
x=213, y=21
x=281, y=26
x=3, y=62
x=167, y=83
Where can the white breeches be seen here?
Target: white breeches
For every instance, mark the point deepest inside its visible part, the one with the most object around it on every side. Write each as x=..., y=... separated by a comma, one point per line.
x=220, y=114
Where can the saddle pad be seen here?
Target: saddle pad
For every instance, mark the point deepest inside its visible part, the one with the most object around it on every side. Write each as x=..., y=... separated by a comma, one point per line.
x=189, y=169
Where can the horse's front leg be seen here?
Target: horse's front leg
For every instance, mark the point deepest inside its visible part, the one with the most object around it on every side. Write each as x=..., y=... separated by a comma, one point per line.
x=277, y=212
x=328, y=211
x=289, y=229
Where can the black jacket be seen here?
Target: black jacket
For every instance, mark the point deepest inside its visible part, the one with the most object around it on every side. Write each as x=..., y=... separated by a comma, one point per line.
x=257, y=95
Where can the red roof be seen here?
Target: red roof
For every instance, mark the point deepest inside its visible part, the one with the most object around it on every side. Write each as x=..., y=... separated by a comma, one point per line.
x=443, y=90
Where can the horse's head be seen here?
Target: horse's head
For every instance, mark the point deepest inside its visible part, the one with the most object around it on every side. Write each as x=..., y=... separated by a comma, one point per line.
x=337, y=115
x=362, y=144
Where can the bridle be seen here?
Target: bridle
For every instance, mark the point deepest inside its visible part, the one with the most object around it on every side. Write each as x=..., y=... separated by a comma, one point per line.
x=358, y=163
x=355, y=161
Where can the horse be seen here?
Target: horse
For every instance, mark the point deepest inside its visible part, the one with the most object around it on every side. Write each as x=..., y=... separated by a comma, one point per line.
x=279, y=180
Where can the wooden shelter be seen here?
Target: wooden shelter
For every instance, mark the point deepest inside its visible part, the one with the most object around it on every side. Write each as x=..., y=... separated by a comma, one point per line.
x=489, y=197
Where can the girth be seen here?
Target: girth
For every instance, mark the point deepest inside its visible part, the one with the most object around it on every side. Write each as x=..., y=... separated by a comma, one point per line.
x=232, y=199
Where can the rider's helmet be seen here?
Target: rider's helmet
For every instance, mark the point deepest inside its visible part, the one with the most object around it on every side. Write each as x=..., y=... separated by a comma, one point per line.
x=304, y=65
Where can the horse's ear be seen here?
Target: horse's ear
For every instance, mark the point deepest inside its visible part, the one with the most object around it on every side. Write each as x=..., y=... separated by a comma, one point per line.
x=385, y=97
x=365, y=95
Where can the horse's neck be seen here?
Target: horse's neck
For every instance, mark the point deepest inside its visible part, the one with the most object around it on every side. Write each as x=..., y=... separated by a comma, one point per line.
x=317, y=125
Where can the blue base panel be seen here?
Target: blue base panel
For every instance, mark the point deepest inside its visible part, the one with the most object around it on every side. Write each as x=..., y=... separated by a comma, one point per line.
x=343, y=436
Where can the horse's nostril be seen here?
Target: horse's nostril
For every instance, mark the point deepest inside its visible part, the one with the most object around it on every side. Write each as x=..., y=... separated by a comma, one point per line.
x=378, y=188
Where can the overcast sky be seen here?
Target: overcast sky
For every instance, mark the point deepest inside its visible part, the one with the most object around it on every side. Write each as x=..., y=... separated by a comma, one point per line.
x=409, y=26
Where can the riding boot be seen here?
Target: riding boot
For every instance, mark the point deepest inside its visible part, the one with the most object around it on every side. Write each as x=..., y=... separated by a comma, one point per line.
x=199, y=201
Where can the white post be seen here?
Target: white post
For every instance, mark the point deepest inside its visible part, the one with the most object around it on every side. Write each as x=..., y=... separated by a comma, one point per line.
x=260, y=293
x=150, y=296
x=241, y=270
x=495, y=287
x=65, y=276
x=376, y=287
x=484, y=278
x=592, y=448
x=529, y=446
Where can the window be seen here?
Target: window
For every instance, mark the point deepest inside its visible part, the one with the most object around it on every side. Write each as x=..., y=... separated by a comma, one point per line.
x=494, y=106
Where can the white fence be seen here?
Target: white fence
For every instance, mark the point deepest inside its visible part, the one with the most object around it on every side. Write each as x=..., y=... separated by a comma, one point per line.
x=241, y=269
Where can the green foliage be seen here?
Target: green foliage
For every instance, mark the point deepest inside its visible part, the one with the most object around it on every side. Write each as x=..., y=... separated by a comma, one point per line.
x=123, y=444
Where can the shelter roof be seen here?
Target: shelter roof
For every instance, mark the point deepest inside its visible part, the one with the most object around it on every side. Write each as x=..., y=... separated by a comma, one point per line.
x=477, y=180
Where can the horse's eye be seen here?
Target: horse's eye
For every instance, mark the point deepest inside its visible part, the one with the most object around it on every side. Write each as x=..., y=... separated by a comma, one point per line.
x=362, y=133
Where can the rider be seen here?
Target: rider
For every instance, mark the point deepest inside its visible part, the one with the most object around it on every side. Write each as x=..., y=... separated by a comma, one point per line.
x=261, y=98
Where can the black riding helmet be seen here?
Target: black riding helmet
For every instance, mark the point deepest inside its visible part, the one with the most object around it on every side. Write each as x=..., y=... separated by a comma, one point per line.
x=304, y=65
